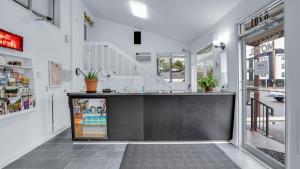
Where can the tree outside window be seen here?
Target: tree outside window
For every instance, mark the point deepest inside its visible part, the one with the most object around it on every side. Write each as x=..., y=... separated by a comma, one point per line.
x=171, y=69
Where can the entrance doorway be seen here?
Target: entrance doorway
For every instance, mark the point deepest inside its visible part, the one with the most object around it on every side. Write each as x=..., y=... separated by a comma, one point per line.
x=263, y=72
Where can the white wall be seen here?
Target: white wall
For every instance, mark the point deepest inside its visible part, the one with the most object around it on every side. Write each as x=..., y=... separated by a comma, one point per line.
x=77, y=41
x=122, y=36
x=42, y=42
x=227, y=26
x=292, y=36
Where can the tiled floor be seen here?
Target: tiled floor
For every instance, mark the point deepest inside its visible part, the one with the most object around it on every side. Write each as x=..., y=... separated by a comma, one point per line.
x=61, y=153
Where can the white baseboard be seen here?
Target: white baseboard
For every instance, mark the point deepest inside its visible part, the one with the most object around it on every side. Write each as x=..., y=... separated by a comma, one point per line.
x=18, y=155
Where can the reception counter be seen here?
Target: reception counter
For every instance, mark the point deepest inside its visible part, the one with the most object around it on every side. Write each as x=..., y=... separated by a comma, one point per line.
x=152, y=116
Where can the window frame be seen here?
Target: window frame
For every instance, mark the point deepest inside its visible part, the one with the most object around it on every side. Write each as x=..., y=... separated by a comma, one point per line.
x=28, y=4
x=52, y=12
x=171, y=58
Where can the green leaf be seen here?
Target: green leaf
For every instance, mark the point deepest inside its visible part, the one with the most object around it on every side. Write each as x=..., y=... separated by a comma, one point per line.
x=92, y=75
x=208, y=82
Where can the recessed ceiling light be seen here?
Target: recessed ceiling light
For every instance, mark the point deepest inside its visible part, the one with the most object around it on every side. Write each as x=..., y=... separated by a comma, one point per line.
x=138, y=9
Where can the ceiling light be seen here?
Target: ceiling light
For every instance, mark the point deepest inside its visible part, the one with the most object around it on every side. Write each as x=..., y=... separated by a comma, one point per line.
x=138, y=9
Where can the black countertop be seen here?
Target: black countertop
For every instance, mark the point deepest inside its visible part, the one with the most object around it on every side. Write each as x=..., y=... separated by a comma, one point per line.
x=78, y=94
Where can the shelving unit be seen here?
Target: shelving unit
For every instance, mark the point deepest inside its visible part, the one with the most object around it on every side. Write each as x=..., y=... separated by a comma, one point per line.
x=16, y=114
x=17, y=90
x=15, y=66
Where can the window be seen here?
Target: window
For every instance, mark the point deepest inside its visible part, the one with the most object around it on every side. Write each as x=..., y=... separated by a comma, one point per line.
x=178, y=70
x=85, y=32
x=282, y=74
x=171, y=69
x=164, y=68
x=200, y=70
x=205, y=68
x=47, y=10
x=282, y=66
x=24, y=3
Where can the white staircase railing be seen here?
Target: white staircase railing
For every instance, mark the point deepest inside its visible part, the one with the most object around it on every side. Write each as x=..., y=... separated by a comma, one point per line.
x=117, y=64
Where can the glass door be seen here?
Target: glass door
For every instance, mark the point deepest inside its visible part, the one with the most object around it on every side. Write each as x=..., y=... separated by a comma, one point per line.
x=263, y=60
x=89, y=118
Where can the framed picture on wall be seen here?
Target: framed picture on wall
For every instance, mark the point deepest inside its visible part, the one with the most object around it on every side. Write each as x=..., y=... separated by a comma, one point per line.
x=55, y=74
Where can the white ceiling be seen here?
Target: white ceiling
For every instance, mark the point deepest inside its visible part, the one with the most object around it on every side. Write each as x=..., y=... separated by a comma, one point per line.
x=182, y=20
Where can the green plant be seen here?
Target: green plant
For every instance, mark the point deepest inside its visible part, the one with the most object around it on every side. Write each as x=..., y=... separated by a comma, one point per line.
x=91, y=75
x=208, y=82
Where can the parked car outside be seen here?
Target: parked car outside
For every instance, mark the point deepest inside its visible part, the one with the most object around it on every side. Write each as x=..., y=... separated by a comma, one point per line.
x=278, y=94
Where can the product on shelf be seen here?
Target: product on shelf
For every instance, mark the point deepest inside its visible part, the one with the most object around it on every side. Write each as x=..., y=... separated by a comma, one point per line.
x=15, y=63
x=24, y=80
x=90, y=118
x=15, y=89
x=3, y=107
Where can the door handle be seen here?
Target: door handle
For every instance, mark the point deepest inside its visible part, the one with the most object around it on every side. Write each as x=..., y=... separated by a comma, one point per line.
x=52, y=111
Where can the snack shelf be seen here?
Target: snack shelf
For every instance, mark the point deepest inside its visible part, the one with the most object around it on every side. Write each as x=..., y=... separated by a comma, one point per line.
x=15, y=66
x=17, y=88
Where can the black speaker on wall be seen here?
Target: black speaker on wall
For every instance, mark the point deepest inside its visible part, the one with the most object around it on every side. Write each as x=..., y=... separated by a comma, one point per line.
x=137, y=36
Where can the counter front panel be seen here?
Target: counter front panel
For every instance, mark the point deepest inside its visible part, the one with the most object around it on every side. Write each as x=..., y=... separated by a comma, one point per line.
x=152, y=117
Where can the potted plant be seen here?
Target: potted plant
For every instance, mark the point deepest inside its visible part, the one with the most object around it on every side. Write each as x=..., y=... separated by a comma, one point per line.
x=91, y=80
x=208, y=83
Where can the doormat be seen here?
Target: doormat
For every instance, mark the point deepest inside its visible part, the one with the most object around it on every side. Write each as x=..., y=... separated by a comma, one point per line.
x=279, y=156
x=176, y=156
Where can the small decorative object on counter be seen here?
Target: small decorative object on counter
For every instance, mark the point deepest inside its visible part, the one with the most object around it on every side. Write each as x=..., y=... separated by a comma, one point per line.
x=208, y=83
x=91, y=80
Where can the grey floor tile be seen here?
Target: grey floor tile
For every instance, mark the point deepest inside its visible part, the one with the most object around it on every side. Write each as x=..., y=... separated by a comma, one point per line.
x=120, y=147
x=109, y=154
x=77, y=154
x=65, y=134
x=60, y=140
x=114, y=164
x=60, y=146
x=39, y=164
x=43, y=154
x=106, y=147
x=88, y=164
x=92, y=147
x=46, y=147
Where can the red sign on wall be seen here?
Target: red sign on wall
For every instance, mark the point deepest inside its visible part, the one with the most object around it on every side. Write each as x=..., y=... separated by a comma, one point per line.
x=11, y=41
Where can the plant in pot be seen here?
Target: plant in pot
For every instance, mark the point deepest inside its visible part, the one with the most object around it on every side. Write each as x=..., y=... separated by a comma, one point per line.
x=91, y=80
x=208, y=83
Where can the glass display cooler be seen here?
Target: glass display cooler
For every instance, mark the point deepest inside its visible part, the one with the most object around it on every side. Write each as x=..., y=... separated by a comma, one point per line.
x=89, y=121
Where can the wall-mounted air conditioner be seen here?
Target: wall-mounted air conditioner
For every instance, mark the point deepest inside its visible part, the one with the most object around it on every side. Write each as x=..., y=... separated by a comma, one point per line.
x=143, y=57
